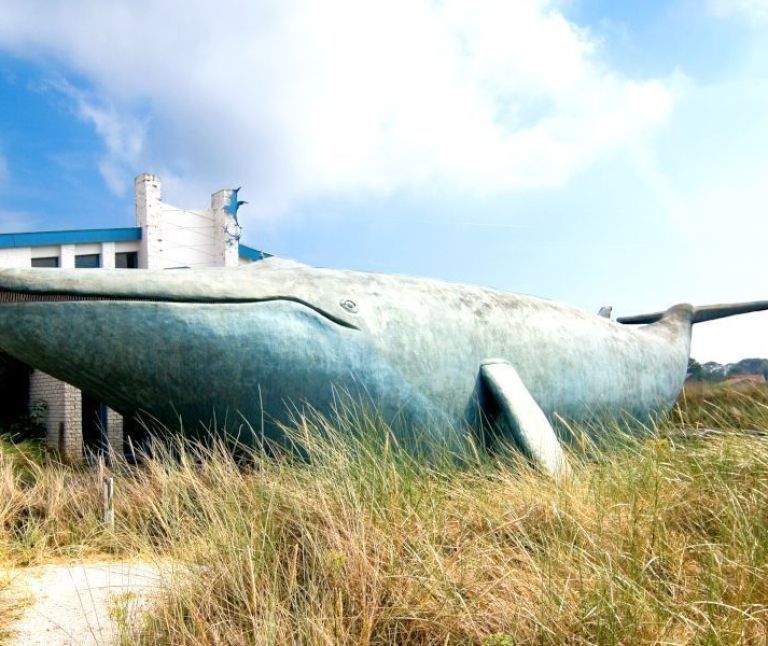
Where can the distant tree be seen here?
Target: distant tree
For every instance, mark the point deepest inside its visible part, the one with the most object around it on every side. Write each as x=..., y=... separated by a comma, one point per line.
x=752, y=366
x=713, y=371
x=695, y=371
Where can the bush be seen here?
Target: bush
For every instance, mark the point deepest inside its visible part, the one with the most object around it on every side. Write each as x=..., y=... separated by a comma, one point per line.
x=31, y=425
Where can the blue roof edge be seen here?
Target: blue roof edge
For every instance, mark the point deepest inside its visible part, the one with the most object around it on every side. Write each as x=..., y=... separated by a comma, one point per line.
x=79, y=236
x=250, y=253
x=73, y=236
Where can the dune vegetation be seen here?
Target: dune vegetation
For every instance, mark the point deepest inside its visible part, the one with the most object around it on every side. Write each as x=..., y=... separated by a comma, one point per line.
x=661, y=539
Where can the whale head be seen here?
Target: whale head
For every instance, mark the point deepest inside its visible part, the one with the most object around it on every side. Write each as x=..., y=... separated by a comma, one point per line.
x=172, y=341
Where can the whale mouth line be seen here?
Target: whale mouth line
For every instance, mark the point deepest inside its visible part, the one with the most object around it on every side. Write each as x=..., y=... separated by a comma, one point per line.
x=11, y=296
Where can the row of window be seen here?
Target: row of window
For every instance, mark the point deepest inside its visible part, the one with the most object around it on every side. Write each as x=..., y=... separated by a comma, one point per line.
x=123, y=260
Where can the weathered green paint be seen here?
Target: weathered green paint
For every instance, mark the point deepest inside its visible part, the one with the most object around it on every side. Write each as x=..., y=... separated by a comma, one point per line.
x=258, y=340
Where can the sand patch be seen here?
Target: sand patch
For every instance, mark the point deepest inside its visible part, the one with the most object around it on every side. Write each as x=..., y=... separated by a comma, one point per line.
x=77, y=603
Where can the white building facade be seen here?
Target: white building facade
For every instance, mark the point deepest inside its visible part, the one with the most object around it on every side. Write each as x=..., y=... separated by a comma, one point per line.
x=164, y=237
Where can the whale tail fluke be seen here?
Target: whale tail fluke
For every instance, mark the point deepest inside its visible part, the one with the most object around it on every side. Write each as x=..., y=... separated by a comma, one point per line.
x=712, y=312
x=697, y=314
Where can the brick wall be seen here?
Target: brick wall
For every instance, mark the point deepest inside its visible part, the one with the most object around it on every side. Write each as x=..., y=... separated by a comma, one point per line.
x=63, y=418
x=64, y=421
x=115, y=431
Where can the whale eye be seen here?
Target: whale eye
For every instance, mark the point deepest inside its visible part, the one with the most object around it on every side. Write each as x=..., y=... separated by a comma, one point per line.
x=349, y=305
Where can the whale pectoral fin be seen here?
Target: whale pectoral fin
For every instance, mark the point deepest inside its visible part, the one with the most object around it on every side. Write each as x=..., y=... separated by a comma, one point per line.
x=529, y=426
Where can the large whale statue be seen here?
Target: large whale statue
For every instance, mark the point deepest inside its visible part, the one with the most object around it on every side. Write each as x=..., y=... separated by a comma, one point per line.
x=258, y=342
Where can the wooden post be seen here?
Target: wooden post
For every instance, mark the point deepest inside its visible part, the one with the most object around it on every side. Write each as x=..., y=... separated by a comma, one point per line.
x=108, y=502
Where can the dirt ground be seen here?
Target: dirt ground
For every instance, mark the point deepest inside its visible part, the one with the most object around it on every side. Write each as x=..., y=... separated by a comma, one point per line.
x=77, y=603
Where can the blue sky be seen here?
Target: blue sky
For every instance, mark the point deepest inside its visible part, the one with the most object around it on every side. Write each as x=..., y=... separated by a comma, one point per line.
x=594, y=152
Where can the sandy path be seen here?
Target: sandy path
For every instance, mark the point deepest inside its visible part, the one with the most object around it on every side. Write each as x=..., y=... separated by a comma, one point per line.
x=73, y=603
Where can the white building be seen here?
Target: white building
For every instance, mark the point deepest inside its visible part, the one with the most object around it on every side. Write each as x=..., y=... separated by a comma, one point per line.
x=164, y=237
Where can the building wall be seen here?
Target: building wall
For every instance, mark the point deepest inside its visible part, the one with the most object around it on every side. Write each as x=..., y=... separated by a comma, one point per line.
x=21, y=257
x=170, y=237
x=16, y=257
x=176, y=237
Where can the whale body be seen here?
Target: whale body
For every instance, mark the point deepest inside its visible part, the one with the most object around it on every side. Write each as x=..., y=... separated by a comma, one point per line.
x=257, y=342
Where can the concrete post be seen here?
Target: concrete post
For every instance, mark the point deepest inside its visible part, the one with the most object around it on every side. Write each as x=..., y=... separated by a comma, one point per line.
x=148, y=215
x=73, y=422
x=67, y=256
x=225, y=230
x=108, y=255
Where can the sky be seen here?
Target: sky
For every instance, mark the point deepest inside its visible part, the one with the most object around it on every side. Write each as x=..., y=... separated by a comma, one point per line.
x=589, y=151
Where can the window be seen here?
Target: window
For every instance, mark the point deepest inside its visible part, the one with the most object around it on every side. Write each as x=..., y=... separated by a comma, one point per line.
x=88, y=261
x=52, y=261
x=127, y=260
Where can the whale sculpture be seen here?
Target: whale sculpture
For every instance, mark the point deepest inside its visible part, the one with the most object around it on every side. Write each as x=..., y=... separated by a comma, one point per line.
x=256, y=342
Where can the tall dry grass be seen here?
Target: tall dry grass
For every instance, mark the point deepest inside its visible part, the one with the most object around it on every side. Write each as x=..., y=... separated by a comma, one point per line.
x=721, y=405
x=664, y=539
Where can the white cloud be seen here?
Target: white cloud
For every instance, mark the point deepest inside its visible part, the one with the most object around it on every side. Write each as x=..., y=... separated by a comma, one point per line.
x=706, y=172
x=756, y=10
x=123, y=135
x=302, y=99
x=708, y=167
